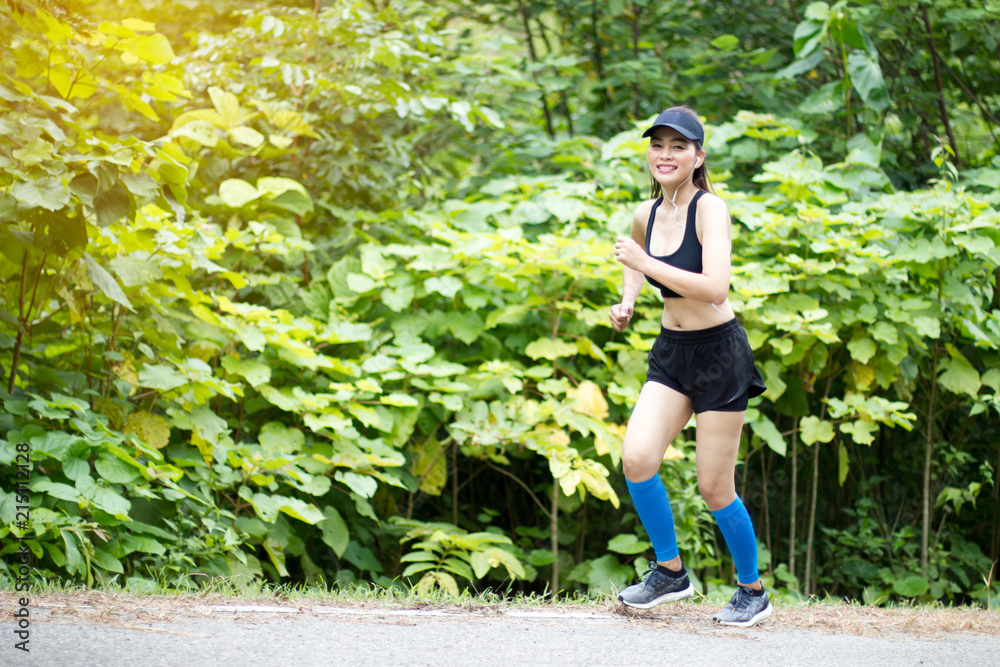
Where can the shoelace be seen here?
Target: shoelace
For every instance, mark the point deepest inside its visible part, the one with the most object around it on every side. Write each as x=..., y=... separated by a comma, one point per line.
x=650, y=569
x=743, y=597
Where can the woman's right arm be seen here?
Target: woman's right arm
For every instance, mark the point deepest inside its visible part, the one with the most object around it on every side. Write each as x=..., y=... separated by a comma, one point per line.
x=632, y=280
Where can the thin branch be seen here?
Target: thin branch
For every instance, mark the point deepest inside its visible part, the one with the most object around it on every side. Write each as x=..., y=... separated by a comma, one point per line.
x=534, y=59
x=936, y=58
x=524, y=486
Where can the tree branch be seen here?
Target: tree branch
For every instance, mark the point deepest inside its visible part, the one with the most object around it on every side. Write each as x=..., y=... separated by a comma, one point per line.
x=936, y=58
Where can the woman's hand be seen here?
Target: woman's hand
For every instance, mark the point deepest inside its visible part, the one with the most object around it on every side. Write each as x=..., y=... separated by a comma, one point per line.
x=629, y=253
x=620, y=315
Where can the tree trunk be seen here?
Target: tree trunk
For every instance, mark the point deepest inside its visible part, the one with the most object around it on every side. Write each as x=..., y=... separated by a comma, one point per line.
x=995, y=542
x=808, y=584
x=598, y=59
x=636, y=92
x=554, y=582
x=534, y=59
x=454, y=484
x=767, y=509
x=794, y=501
x=996, y=290
x=563, y=98
x=928, y=452
x=935, y=58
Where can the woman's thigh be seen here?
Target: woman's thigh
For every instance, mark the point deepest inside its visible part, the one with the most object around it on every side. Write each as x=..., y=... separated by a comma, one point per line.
x=658, y=416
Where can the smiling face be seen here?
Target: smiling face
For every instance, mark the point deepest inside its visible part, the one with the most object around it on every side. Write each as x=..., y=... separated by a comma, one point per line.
x=672, y=157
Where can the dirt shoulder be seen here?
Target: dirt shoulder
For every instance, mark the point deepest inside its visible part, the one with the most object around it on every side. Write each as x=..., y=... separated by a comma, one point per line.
x=125, y=610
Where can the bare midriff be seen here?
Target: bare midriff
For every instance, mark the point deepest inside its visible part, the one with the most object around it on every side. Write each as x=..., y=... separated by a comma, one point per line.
x=691, y=315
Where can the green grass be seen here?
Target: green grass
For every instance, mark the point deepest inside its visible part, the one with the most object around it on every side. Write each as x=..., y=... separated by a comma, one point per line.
x=399, y=594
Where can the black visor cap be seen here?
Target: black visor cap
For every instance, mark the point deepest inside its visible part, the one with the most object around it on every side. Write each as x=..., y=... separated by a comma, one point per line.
x=679, y=121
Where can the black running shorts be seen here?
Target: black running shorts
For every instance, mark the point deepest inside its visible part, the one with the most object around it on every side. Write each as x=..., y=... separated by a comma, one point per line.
x=713, y=367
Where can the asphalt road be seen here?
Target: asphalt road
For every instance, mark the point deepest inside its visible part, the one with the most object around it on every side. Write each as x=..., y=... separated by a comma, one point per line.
x=270, y=635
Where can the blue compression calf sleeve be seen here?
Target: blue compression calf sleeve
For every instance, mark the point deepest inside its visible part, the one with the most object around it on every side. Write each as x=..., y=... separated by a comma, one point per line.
x=740, y=538
x=651, y=502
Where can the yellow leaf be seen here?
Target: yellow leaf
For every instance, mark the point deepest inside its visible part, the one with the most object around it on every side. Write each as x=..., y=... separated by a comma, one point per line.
x=58, y=31
x=672, y=454
x=152, y=429
x=369, y=385
x=113, y=411
x=126, y=371
x=863, y=376
x=610, y=442
x=594, y=477
x=568, y=481
x=210, y=115
x=590, y=400
x=169, y=83
x=153, y=49
x=558, y=437
x=228, y=107
x=430, y=463
x=139, y=25
x=442, y=579
x=115, y=30
x=204, y=447
x=134, y=102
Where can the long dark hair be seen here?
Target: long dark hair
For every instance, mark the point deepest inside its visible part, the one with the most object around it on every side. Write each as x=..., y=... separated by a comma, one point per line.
x=700, y=177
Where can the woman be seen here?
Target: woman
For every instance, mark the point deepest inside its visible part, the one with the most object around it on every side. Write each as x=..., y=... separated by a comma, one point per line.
x=701, y=363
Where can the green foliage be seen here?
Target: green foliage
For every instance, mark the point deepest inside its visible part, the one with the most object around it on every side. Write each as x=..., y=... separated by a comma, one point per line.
x=445, y=552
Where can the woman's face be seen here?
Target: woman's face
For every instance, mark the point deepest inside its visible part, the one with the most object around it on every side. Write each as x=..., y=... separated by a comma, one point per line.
x=672, y=157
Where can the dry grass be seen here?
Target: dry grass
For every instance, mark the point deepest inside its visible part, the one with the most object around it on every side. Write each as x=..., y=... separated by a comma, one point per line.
x=128, y=610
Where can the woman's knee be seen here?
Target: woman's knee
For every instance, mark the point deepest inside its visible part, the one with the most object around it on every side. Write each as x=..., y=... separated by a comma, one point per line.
x=717, y=493
x=638, y=464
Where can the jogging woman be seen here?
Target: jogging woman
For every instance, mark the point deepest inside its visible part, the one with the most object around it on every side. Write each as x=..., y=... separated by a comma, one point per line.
x=701, y=363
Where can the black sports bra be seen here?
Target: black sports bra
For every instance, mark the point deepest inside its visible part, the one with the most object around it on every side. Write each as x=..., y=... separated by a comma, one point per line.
x=688, y=255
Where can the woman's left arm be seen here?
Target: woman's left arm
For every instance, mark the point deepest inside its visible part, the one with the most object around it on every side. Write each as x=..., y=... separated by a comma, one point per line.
x=712, y=284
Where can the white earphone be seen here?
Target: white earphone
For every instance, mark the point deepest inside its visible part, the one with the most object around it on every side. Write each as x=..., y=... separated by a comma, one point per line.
x=698, y=162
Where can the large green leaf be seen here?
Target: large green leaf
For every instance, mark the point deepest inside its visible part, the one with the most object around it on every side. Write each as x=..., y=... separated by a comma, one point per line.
x=363, y=485
x=237, y=193
x=153, y=49
x=627, y=543
x=866, y=75
x=162, y=377
x=335, y=532
x=105, y=281
x=764, y=428
x=46, y=192
x=911, y=586
x=548, y=348
x=275, y=438
x=209, y=426
x=112, y=205
x=255, y=372
x=115, y=470
x=298, y=509
x=958, y=375
x=813, y=429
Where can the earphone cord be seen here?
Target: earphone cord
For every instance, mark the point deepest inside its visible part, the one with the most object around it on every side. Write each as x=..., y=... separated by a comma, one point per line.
x=674, y=216
x=672, y=203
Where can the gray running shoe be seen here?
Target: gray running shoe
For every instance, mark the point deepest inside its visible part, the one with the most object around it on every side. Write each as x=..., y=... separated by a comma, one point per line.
x=744, y=609
x=725, y=610
x=656, y=588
